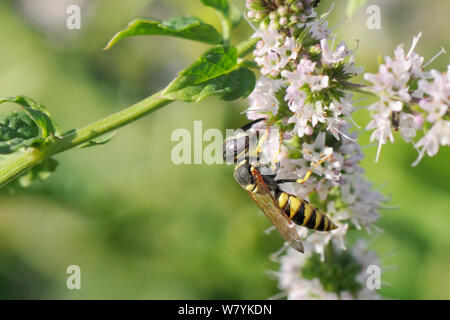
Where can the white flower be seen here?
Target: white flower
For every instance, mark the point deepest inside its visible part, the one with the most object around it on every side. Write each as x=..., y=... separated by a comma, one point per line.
x=295, y=95
x=350, y=67
x=334, y=57
x=361, y=200
x=407, y=126
x=306, y=66
x=439, y=134
x=272, y=54
x=394, y=108
x=319, y=29
x=263, y=99
x=304, y=114
x=292, y=282
x=381, y=124
x=317, y=83
x=389, y=84
x=438, y=92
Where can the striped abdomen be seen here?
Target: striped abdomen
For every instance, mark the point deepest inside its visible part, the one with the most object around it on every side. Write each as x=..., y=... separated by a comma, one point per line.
x=304, y=214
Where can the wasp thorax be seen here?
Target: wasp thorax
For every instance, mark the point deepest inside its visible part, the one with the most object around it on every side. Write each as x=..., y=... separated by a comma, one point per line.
x=236, y=148
x=243, y=175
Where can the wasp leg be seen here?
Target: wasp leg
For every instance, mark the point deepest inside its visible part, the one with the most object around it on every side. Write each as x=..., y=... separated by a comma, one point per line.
x=261, y=141
x=275, y=156
x=310, y=171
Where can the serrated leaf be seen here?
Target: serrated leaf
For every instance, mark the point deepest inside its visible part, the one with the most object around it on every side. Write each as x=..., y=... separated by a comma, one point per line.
x=39, y=172
x=190, y=28
x=215, y=73
x=238, y=84
x=39, y=113
x=17, y=130
x=231, y=86
x=103, y=139
x=353, y=5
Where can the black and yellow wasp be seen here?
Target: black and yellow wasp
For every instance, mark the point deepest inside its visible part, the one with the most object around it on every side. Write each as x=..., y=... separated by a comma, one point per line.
x=282, y=209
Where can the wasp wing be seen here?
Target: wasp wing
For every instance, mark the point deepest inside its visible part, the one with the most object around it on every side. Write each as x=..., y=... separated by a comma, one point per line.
x=269, y=206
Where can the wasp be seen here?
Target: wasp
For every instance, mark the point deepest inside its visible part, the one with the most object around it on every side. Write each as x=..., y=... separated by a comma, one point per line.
x=284, y=210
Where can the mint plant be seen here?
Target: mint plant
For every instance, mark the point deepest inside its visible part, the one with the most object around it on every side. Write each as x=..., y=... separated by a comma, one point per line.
x=305, y=90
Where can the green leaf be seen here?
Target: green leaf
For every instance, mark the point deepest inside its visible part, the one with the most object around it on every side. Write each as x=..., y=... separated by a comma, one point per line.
x=190, y=28
x=220, y=5
x=238, y=84
x=235, y=16
x=40, y=114
x=230, y=12
x=103, y=139
x=353, y=5
x=39, y=172
x=17, y=130
x=215, y=73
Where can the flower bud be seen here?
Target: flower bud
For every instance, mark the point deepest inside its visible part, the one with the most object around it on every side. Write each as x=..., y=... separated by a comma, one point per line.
x=282, y=11
x=418, y=120
x=283, y=21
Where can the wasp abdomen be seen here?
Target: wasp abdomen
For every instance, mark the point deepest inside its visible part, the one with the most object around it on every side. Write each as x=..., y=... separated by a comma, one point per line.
x=304, y=214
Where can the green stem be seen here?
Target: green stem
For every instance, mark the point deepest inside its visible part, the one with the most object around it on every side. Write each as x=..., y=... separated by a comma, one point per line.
x=115, y=121
x=16, y=166
x=247, y=46
x=226, y=28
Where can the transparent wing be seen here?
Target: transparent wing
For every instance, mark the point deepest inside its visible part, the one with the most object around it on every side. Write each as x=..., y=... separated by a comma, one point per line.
x=269, y=206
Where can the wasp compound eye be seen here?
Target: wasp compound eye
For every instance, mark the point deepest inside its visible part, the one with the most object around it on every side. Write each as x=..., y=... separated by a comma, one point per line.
x=243, y=175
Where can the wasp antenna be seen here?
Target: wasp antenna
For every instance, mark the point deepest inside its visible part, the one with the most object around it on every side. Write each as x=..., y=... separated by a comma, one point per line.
x=250, y=124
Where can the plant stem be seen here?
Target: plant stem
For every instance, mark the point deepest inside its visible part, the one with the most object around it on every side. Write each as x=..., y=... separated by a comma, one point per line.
x=18, y=165
x=226, y=28
x=247, y=46
x=115, y=121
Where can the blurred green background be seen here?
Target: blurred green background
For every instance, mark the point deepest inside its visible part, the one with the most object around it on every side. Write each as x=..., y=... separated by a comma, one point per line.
x=140, y=226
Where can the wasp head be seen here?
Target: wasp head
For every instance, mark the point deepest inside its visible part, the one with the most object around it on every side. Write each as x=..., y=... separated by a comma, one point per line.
x=243, y=174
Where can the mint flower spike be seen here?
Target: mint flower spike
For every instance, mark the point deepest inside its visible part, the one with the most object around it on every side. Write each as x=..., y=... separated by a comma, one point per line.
x=401, y=108
x=303, y=93
x=306, y=277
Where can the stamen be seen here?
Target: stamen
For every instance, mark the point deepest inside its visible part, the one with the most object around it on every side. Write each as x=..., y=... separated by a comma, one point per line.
x=378, y=151
x=414, y=44
x=278, y=296
x=269, y=230
x=250, y=23
x=346, y=136
x=389, y=268
x=442, y=51
x=421, y=154
x=354, y=122
x=333, y=42
x=276, y=255
x=325, y=15
x=388, y=255
x=368, y=146
x=339, y=23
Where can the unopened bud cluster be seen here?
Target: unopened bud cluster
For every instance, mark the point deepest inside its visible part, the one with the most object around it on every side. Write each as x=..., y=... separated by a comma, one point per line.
x=278, y=13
